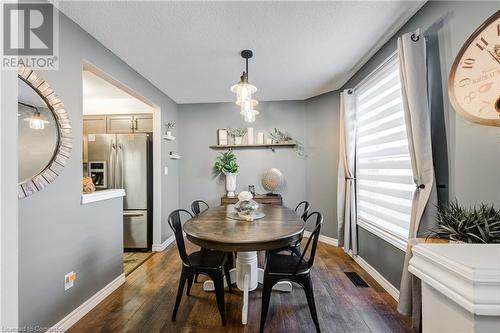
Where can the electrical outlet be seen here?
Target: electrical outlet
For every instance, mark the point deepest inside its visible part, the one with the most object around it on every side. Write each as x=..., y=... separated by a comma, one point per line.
x=69, y=280
x=166, y=171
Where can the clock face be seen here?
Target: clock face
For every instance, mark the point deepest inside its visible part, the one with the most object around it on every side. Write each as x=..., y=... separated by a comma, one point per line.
x=474, y=83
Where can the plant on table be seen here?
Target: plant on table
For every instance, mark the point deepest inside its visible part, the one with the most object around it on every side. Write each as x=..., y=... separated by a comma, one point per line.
x=469, y=225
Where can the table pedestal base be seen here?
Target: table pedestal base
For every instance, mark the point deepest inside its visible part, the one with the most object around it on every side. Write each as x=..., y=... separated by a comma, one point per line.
x=247, y=277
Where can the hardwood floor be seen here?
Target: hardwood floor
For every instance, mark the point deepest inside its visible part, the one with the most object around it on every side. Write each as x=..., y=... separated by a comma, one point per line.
x=145, y=302
x=132, y=260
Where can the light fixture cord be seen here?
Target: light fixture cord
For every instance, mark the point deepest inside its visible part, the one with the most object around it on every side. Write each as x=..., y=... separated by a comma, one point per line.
x=247, y=67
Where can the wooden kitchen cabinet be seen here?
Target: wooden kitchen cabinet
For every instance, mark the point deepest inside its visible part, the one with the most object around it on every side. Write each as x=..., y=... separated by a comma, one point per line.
x=120, y=124
x=143, y=123
x=94, y=125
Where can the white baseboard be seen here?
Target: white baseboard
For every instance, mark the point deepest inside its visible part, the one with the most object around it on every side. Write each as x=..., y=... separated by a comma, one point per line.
x=324, y=239
x=163, y=246
x=78, y=313
x=393, y=291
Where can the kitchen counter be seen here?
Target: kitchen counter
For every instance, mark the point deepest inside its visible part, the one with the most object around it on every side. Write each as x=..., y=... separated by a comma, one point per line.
x=102, y=195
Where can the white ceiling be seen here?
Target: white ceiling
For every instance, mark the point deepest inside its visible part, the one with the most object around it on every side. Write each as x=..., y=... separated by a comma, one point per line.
x=190, y=50
x=101, y=97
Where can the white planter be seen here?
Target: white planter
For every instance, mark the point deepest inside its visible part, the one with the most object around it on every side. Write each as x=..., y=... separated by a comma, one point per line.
x=169, y=133
x=238, y=140
x=231, y=184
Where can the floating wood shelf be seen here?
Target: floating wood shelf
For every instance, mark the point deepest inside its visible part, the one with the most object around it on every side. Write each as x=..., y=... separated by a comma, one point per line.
x=174, y=156
x=169, y=137
x=272, y=146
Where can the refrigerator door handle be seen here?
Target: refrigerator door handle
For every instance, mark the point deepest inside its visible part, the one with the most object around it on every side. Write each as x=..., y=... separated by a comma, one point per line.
x=119, y=166
x=112, y=162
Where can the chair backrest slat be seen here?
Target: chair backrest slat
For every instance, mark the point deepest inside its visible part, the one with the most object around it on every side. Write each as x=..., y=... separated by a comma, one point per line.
x=174, y=220
x=313, y=240
x=196, y=206
x=305, y=210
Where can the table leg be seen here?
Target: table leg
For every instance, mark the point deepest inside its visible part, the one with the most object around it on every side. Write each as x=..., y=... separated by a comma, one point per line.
x=244, y=309
x=247, y=277
x=209, y=284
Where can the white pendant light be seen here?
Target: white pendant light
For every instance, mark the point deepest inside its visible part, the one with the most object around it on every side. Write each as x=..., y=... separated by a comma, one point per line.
x=244, y=91
x=36, y=121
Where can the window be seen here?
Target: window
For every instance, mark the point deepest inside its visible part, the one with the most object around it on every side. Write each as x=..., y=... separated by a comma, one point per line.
x=384, y=176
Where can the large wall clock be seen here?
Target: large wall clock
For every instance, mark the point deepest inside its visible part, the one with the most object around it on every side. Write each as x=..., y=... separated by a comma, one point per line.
x=474, y=82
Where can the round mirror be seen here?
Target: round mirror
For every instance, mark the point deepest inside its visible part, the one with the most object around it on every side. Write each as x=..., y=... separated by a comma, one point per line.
x=44, y=133
x=38, y=133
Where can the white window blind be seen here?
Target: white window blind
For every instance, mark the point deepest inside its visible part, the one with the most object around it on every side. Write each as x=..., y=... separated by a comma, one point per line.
x=383, y=170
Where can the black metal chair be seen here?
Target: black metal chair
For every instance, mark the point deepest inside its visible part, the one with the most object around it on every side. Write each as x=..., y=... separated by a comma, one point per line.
x=295, y=248
x=196, y=206
x=305, y=210
x=211, y=263
x=292, y=268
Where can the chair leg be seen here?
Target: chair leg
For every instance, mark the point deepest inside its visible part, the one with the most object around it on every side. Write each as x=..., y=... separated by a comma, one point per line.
x=190, y=279
x=228, y=276
x=196, y=278
x=308, y=289
x=182, y=282
x=218, y=279
x=266, y=298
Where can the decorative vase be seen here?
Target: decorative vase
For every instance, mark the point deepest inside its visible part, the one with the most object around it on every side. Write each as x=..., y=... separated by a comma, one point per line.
x=231, y=184
x=238, y=140
x=169, y=133
x=250, y=137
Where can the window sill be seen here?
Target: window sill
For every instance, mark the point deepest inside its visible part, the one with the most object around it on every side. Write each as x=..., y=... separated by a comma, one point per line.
x=387, y=236
x=102, y=195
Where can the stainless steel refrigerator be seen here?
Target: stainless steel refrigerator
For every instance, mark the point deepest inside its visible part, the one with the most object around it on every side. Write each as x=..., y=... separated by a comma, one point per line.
x=125, y=161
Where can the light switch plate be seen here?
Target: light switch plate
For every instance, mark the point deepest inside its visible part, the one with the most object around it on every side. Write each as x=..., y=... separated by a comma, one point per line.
x=166, y=171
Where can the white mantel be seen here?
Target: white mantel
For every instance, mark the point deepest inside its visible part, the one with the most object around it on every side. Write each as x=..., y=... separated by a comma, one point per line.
x=460, y=286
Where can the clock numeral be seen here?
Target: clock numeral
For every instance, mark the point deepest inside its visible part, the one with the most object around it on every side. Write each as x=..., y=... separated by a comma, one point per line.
x=468, y=63
x=462, y=83
x=482, y=44
x=469, y=97
x=485, y=87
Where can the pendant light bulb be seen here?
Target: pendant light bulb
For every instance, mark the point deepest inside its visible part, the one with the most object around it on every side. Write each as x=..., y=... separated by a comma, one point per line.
x=244, y=91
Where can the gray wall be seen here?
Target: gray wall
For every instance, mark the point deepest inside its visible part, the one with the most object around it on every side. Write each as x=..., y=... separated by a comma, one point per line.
x=198, y=124
x=8, y=200
x=312, y=177
x=57, y=234
x=473, y=150
x=322, y=141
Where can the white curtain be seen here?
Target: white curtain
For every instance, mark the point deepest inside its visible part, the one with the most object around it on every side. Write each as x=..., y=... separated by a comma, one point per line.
x=413, y=74
x=346, y=198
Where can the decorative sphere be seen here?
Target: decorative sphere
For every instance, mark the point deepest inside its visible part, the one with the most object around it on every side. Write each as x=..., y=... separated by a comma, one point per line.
x=272, y=180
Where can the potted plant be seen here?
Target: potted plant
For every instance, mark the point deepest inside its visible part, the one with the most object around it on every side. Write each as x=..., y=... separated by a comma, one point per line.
x=237, y=134
x=280, y=137
x=169, y=127
x=226, y=164
x=468, y=225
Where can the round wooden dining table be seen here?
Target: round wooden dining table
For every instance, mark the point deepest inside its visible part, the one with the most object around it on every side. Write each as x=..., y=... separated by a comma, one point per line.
x=218, y=228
